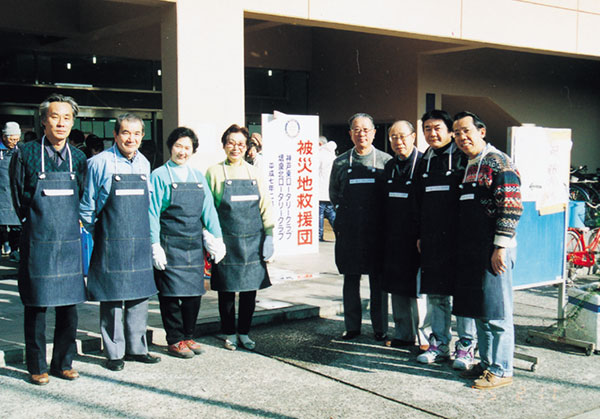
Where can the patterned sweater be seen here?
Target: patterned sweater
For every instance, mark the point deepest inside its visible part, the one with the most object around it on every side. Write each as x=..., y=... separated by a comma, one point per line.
x=499, y=176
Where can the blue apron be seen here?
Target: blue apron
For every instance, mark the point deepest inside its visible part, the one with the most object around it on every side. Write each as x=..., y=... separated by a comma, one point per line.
x=181, y=238
x=357, y=221
x=439, y=211
x=478, y=291
x=8, y=215
x=121, y=263
x=401, y=257
x=243, y=267
x=50, y=270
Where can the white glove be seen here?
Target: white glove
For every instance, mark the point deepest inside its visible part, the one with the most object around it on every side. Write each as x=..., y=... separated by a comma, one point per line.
x=214, y=246
x=268, y=249
x=159, y=258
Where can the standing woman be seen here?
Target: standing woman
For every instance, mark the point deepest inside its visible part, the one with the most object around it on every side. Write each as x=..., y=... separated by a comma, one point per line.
x=180, y=208
x=247, y=219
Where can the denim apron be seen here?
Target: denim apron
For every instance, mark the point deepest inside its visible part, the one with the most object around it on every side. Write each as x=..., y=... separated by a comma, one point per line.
x=181, y=238
x=8, y=215
x=121, y=263
x=478, y=291
x=50, y=270
x=357, y=222
x=439, y=211
x=401, y=257
x=242, y=268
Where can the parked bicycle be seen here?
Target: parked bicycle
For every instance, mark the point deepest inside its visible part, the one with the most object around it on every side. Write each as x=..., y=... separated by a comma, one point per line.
x=585, y=187
x=583, y=246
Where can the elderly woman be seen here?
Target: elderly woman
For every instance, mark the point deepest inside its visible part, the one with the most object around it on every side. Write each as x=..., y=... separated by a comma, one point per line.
x=181, y=208
x=247, y=219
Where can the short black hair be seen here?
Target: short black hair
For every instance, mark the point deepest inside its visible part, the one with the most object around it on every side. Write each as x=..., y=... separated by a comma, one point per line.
x=438, y=114
x=476, y=120
x=181, y=132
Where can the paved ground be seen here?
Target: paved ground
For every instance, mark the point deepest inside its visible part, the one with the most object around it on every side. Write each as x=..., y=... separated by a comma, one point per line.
x=300, y=368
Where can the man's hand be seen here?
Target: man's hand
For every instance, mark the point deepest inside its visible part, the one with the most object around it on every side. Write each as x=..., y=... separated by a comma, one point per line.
x=499, y=261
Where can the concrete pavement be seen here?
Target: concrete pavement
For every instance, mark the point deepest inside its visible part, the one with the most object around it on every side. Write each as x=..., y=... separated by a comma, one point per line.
x=300, y=368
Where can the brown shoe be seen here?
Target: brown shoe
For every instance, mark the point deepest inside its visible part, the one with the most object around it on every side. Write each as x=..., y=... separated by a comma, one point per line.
x=180, y=350
x=66, y=374
x=39, y=379
x=489, y=381
x=194, y=346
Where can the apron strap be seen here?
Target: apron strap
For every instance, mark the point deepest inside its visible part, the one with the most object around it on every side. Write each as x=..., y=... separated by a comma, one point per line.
x=68, y=152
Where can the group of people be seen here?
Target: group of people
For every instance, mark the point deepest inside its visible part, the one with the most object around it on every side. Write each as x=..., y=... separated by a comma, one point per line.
x=151, y=233
x=437, y=230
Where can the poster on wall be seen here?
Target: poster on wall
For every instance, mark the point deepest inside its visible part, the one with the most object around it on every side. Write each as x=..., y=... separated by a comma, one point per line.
x=291, y=167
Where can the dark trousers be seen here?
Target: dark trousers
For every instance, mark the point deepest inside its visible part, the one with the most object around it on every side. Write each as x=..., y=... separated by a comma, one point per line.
x=245, y=312
x=353, y=306
x=179, y=315
x=65, y=333
x=12, y=235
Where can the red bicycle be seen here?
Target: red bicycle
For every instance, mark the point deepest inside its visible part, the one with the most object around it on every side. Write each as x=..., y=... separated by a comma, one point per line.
x=582, y=250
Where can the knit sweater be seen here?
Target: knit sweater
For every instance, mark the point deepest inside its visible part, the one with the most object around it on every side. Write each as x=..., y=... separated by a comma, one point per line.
x=500, y=177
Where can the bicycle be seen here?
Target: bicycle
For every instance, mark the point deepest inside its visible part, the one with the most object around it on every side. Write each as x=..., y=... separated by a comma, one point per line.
x=586, y=187
x=582, y=253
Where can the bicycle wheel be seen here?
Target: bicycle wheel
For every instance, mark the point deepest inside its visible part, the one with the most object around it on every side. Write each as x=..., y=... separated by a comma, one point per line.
x=594, y=246
x=578, y=193
x=572, y=245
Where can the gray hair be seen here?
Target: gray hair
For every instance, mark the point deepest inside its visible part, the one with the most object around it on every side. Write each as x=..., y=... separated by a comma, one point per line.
x=128, y=116
x=402, y=121
x=43, y=109
x=360, y=115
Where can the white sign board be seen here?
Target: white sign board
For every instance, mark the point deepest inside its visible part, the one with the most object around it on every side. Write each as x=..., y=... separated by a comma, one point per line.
x=291, y=167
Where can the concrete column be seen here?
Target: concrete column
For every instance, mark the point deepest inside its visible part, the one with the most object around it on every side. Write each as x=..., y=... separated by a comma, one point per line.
x=203, y=72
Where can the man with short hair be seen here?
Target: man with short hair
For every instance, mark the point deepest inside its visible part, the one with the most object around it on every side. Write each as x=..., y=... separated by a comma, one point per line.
x=401, y=257
x=438, y=176
x=46, y=182
x=114, y=208
x=10, y=225
x=354, y=189
x=489, y=210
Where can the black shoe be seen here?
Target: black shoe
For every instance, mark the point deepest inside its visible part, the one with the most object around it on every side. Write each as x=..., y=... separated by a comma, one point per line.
x=146, y=359
x=399, y=343
x=348, y=335
x=115, y=364
x=379, y=337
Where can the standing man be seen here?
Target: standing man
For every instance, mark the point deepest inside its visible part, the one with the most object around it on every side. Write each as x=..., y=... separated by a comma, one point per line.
x=354, y=189
x=401, y=257
x=114, y=209
x=438, y=176
x=326, y=158
x=46, y=179
x=10, y=226
x=489, y=209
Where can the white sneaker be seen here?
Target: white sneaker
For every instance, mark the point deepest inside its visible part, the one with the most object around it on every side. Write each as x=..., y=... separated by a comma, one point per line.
x=437, y=352
x=464, y=356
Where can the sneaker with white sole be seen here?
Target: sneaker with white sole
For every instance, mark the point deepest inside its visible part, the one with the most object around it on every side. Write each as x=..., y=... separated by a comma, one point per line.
x=437, y=352
x=464, y=357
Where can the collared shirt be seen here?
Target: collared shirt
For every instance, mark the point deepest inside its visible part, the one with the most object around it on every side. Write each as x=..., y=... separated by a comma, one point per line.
x=58, y=156
x=98, y=182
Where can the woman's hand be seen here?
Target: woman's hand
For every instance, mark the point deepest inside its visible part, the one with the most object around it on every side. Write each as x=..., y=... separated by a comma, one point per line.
x=159, y=258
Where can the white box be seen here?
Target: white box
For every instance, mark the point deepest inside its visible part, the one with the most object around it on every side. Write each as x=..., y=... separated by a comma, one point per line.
x=583, y=314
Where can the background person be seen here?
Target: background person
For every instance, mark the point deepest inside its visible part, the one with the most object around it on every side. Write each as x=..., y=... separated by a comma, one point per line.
x=181, y=206
x=10, y=225
x=247, y=219
x=46, y=183
x=114, y=209
x=326, y=158
x=355, y=188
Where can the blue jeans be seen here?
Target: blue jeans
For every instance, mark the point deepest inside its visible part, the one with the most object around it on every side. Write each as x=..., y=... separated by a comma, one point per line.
x=441, y=312
x=497, y=337
x=326, y=210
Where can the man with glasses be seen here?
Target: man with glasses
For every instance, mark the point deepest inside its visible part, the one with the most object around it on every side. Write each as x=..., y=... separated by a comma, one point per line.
x=401, y=258
x=354, y=189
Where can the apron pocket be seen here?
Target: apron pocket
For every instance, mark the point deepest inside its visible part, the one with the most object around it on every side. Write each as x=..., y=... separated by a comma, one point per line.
x=54, y=258
x=128, y=255
x=183, y=252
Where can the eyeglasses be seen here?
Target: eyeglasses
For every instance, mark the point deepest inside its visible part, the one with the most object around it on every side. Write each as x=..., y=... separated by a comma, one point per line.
x=233, y=144
x=402, y=138
x=365, y=131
